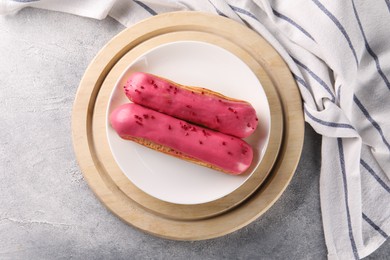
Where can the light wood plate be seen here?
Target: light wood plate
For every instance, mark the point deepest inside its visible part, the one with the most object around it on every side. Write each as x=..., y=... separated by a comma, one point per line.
x=154, y=218
x=181, y=211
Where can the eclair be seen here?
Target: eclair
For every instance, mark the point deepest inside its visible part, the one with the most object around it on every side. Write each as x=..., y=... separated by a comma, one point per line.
x=181, y=139
x=193, y=104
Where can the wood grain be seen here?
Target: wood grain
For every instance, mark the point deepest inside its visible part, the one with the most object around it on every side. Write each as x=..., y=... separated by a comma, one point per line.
x=177, y=211
x=171, y=220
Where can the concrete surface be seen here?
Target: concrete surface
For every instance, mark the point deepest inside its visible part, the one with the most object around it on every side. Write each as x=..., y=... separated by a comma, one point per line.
x=47, y=211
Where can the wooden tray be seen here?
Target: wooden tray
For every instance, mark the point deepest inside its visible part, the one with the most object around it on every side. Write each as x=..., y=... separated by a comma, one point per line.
x=180, y=211
x=157, y=217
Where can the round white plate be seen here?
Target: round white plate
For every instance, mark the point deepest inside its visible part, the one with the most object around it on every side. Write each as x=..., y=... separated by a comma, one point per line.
x=191, y=63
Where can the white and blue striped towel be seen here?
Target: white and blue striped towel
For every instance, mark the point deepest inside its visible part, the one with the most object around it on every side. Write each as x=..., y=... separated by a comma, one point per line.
x=339, y=54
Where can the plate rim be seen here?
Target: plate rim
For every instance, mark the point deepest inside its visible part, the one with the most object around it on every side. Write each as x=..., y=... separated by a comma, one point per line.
x=193, y=39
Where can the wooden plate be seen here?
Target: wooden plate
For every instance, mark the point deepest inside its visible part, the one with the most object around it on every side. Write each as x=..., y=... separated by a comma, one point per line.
x=161, y=222
x=181, y=211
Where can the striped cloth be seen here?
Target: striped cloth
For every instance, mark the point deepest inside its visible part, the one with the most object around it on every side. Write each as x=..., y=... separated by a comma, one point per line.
x=339, y=54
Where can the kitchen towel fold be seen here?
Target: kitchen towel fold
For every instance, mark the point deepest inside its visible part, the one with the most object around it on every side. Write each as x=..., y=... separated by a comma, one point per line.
x=339, y=55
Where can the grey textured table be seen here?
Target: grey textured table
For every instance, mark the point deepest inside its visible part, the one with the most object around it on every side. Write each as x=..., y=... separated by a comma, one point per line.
x=47, y=210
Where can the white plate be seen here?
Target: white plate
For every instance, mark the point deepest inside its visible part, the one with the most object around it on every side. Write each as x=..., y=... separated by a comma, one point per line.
x=190, y=63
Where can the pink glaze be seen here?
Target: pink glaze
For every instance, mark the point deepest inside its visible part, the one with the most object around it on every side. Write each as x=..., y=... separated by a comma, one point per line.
x=226, y=152
x=236, y=118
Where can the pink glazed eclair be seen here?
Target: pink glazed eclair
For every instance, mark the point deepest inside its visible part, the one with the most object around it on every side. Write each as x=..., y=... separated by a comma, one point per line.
x=193, y=104
x=181, y=139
